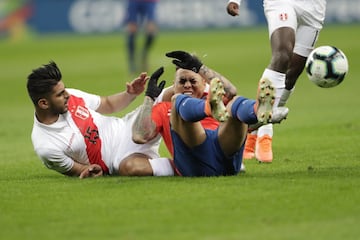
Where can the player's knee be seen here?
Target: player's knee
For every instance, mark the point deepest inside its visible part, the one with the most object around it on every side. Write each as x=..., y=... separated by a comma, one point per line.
x=135, y=167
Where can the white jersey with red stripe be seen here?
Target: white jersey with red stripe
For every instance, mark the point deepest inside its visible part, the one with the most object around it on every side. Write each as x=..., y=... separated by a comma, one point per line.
x=306, y=17
x=60, y=144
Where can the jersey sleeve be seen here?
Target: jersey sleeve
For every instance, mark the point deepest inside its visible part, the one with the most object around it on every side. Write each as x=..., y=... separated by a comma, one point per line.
x=55, y=159
x=157, y=116
x=161, y=117
x=92, y=101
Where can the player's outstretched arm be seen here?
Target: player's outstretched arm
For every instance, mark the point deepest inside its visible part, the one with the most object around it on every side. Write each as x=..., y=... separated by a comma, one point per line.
x=117, y=102
x=209, y=74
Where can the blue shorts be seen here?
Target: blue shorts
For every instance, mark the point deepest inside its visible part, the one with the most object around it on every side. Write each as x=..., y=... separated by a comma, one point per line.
x=138, y=11
x=206, y=159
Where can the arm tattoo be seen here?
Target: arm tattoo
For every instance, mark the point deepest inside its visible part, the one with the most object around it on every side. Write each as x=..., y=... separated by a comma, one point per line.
x=209, y=74
x=144, y=125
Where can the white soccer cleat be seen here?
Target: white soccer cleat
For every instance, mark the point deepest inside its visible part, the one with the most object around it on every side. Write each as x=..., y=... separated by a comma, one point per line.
x=264, y=101
x=279, y=114
x=215, y=101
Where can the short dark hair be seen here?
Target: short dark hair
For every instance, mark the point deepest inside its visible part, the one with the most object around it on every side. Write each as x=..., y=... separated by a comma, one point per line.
x=41, y=81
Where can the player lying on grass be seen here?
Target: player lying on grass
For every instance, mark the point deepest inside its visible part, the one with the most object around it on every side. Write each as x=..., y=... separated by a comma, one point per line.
x=204, y=137
x=72, y=137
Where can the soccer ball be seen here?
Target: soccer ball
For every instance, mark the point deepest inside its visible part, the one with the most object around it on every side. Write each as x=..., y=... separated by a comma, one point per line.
x=326, y=66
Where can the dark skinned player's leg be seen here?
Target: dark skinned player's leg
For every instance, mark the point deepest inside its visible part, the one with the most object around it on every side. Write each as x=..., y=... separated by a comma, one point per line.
x=282, y=44
x=296, y=67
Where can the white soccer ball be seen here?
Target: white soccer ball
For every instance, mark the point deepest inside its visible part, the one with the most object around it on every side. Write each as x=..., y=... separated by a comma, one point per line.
x=326, y=66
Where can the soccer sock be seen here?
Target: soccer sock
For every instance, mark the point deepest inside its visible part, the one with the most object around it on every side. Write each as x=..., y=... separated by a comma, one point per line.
x=190, y=109
x=131, y=50
x=265, y=130
x=148, y=43
x=278, y=81
x=284, y=97
x=161, y=167
x=149, y=39
x=243, y=109
x=255, y=132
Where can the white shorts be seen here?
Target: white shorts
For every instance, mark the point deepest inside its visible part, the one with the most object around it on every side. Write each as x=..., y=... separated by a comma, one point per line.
x=306, y=17
x=123, y=146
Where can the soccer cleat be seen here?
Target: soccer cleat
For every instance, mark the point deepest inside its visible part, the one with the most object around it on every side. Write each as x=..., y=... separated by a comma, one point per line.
x=249, y=149
x=263, y=149
x=278, y=114
x=264, y=101
x=214, y=105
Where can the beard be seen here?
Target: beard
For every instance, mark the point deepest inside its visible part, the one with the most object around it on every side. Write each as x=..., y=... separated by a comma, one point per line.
x=58, y=109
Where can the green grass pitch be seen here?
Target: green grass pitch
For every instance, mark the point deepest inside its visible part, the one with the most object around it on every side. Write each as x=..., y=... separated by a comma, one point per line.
x=310, y=191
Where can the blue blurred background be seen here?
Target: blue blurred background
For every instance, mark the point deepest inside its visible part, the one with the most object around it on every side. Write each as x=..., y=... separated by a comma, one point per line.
x=19, y=17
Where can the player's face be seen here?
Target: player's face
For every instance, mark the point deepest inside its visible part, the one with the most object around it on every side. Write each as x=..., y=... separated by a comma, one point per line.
x=58, y=99
x=189, y=83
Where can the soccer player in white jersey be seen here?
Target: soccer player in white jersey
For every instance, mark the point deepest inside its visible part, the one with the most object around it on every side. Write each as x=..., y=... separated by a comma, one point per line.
x=294, y=28
x=72, y=137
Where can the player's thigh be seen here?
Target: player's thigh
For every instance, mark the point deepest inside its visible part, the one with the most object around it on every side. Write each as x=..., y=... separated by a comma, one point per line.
x=150, y=11
x=311, y=12
x=191, y=133
x=132, y=12
x=306, y=38
x=279, y=14
x=232, y=135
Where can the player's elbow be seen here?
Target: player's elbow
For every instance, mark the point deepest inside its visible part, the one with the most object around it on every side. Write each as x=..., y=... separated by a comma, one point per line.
x=141, y=135
x=139, y=139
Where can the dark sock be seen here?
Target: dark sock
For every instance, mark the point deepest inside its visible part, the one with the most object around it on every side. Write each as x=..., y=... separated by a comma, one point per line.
x=131, y=51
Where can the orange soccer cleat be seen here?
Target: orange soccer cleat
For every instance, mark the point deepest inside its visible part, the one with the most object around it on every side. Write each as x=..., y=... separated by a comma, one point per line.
x=263, y=149
x=249, y=149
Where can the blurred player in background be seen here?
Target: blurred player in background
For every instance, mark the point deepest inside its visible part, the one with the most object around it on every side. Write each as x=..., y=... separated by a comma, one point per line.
x=294, y=28
x=140, y=14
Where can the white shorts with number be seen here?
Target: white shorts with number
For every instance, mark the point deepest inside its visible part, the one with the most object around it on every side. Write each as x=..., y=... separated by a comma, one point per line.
x=306, y=17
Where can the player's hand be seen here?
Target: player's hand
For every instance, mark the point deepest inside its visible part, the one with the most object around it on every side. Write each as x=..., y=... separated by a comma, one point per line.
x=185, y=60
x=153, y=89
x=92, y=170
x=232, y=9
x=137, y=86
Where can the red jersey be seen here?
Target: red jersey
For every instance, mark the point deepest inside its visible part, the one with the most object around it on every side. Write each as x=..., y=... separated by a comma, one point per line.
x=161, y=117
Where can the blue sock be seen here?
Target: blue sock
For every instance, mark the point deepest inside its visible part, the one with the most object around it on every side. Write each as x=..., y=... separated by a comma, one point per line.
x=190, y=109
x=243, y=110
